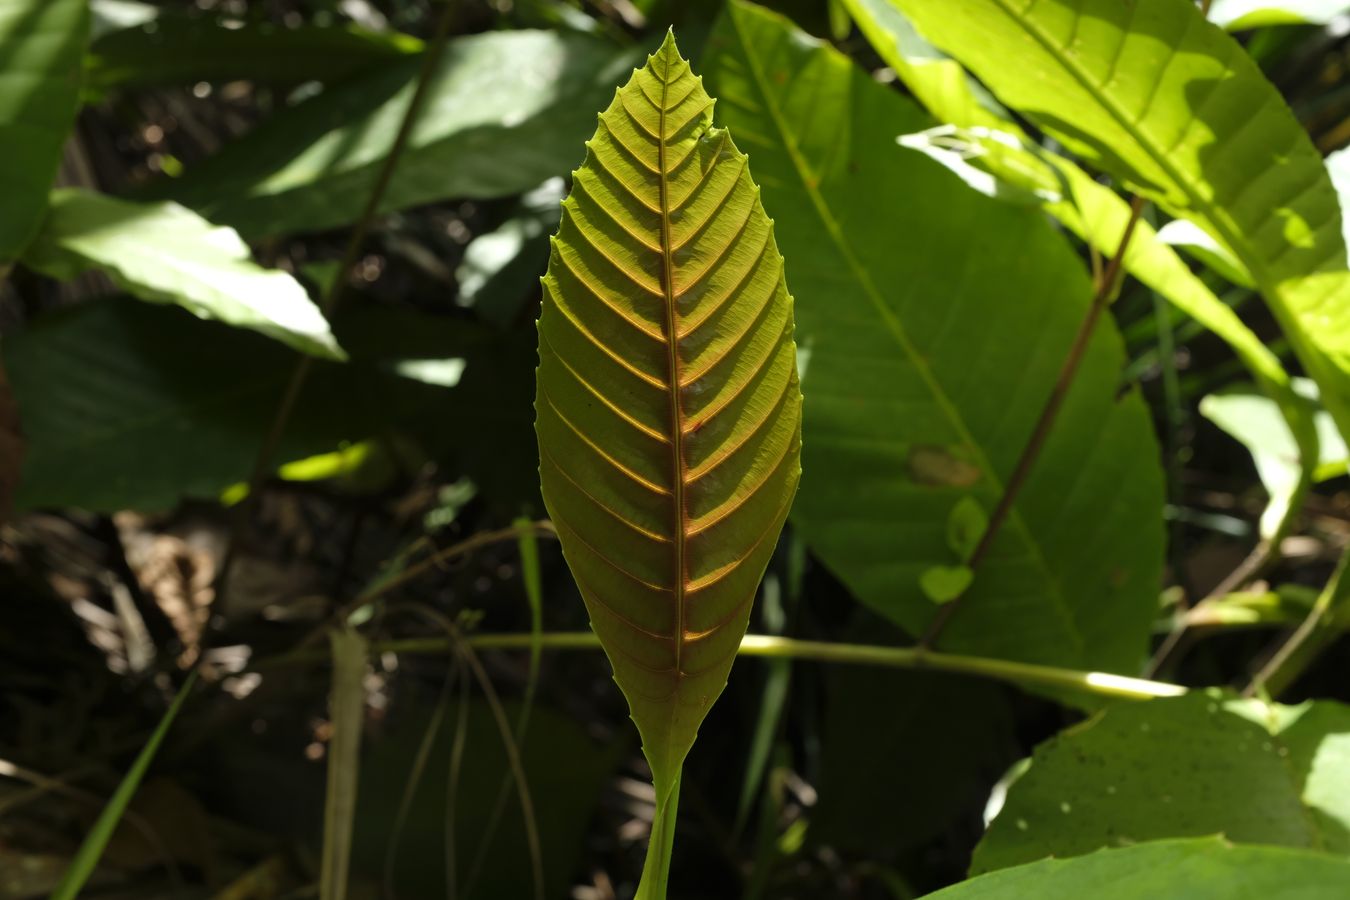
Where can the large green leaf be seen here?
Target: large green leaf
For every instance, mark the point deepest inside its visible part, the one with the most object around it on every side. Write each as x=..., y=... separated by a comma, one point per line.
x=930, y=349
x=669, y=416
x=503, y=113
x=181, y=49
x=1181, y=767
x=1091, y=210
x=41, y=48
x=1197, y=869
x=1151, y=92
x=167, y=254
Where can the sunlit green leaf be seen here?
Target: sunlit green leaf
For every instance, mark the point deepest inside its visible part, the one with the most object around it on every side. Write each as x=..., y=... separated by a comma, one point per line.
x=1197, y=869
x=1181, y=767
x=985, y=141
x=669, y=417
x=167, y=254
x=1172, y=106
x=928, y=364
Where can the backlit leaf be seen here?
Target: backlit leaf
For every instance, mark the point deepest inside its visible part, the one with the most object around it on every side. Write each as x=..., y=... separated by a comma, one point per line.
x=668, y=407
x=1152, y=93
x=1093, y=211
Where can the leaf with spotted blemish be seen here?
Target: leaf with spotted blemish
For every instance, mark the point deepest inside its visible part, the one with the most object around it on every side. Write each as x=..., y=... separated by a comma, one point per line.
x=668, y=409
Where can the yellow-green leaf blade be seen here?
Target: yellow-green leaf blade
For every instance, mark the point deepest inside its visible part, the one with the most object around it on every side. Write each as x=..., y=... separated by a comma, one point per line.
x=1151, y=92
x=668, y=411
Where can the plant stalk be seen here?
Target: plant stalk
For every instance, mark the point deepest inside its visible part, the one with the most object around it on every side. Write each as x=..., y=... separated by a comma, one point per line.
x=655, y=879
x=1103, y=684
x=1105, y=290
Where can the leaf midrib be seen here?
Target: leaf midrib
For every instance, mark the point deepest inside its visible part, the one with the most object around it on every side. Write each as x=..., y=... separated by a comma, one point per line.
x=1014, y=519
x=679, y=463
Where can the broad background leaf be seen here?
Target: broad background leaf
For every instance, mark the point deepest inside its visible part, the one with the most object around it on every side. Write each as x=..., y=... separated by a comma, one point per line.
x=173, y=48
x=1167, y=102
x=165, y=253
x=128, y=405
x=928, y=353
x=504, y=111
x=41, y=50
x=1181, y=767
x=1197, y=869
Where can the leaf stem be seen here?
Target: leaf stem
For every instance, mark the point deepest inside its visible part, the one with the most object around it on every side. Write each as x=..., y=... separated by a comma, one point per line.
x=1298, y=650
x=1102, y=684
x=1105, y=290
x=262, y=464
x=655, y=880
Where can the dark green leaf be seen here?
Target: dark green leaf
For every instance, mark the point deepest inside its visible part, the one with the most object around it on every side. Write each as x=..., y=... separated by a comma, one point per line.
x=179, y=49
x=504, y=112
x=41, y=46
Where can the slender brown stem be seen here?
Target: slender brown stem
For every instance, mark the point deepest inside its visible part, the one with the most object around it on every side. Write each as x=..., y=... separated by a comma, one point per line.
x=332, y=296
x=1204, y=7
x=1104, y=293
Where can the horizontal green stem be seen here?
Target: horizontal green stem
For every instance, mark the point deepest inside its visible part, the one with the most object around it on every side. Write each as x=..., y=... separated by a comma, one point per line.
x=1101, y=683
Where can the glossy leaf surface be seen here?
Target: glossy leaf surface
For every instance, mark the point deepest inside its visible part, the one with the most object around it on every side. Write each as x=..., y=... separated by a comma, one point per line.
x=165, y=253
x=668, y=406
x=1196, y=869
x=1152, y=93
x=1181, y=767
x=929, y=355
x=41, y=49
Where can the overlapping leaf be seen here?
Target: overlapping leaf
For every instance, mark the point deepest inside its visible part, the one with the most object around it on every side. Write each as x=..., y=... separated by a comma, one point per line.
x=164, y=253
x=41, y=48
x=668, y=407
x=1151, y=92
x=931, y=347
